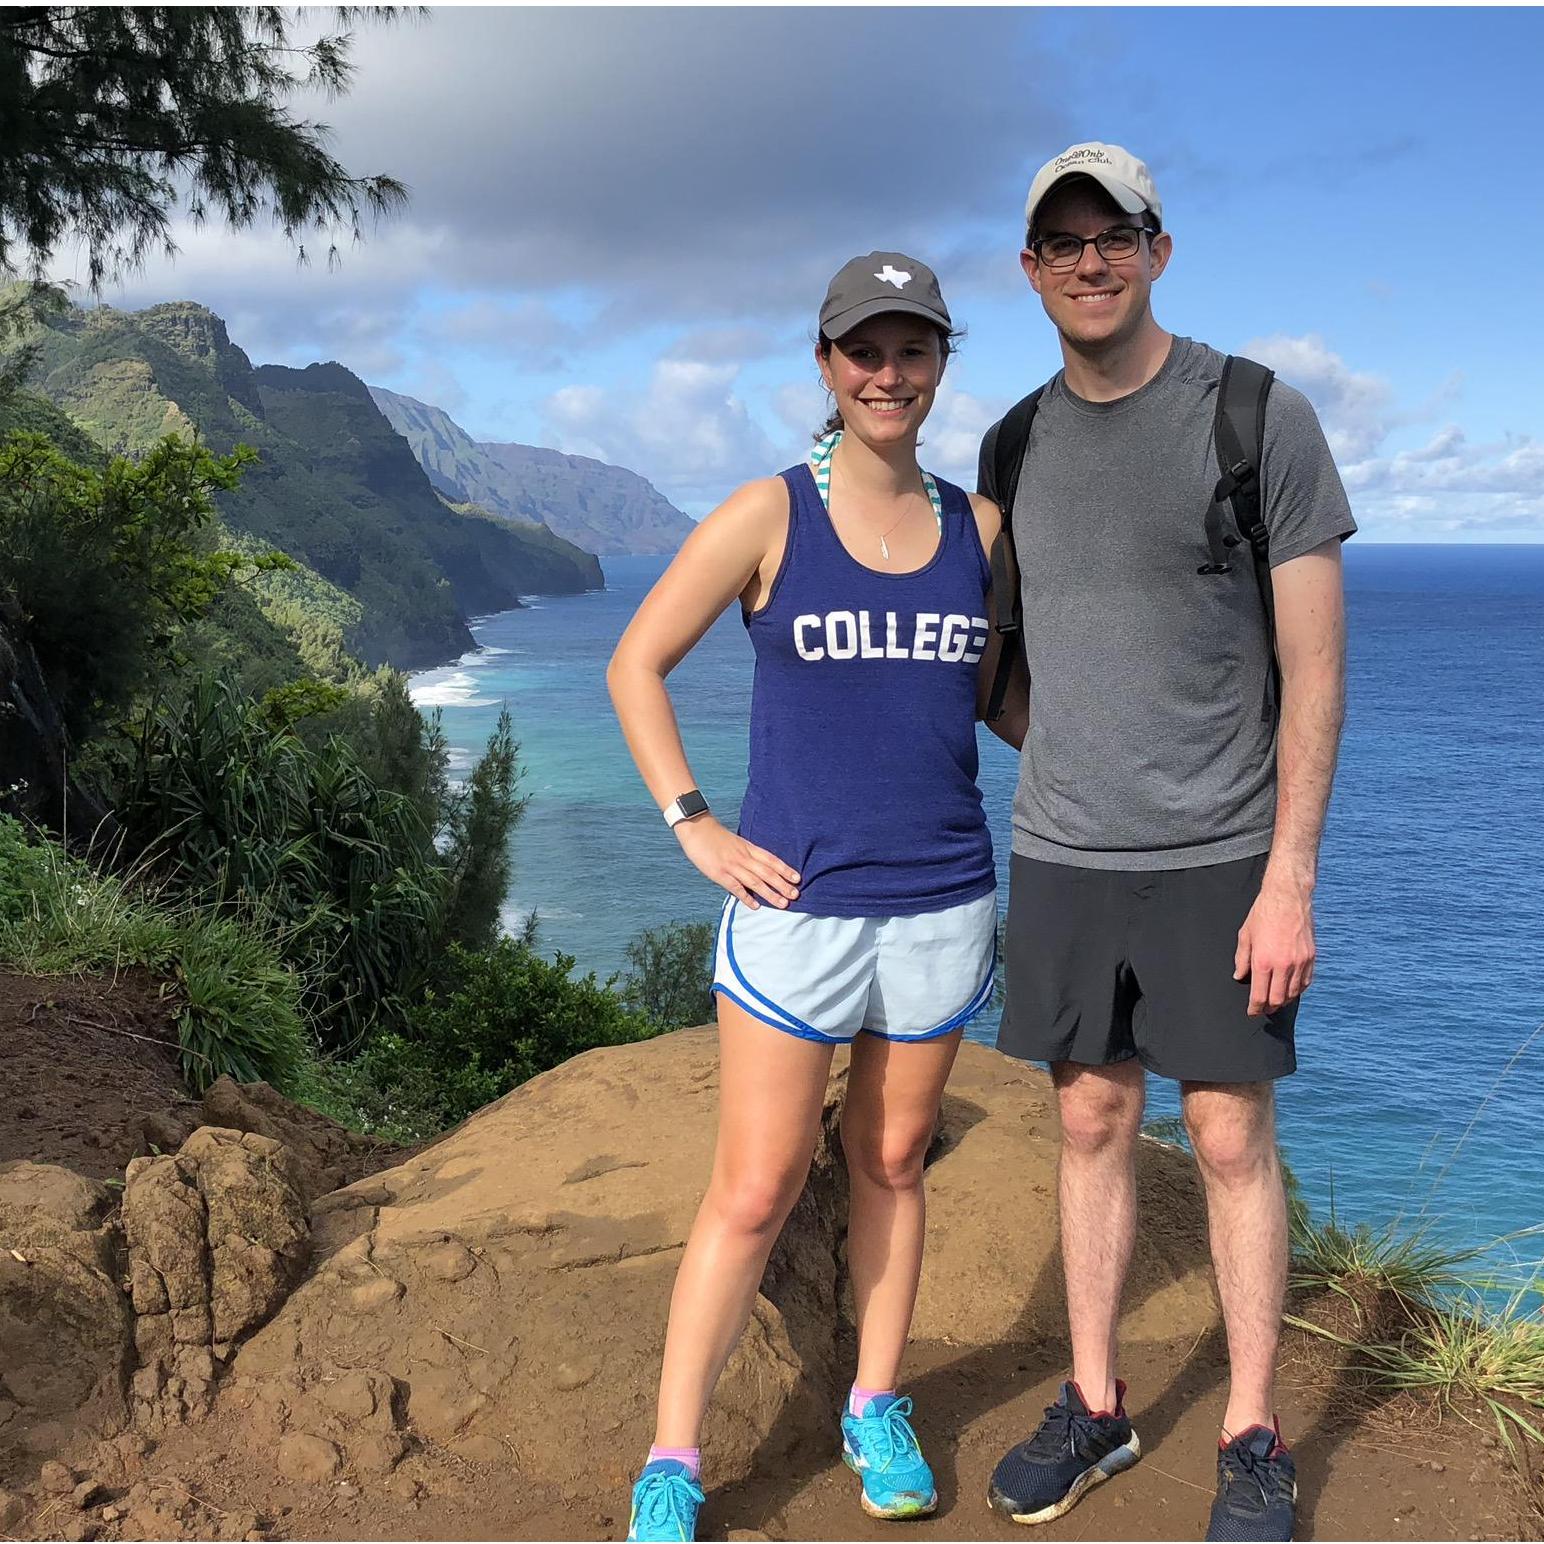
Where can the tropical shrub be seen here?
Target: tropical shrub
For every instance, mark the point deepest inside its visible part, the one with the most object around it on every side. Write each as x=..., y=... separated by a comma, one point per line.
x=106, y=564
x=232, y=810
x=669, y=973
x=508, y=1015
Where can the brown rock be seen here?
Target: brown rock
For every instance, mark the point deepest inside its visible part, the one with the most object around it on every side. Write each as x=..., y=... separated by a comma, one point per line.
x=480, y=1450
x=65, y=1324
x=85, y=1493
x=308, y=1458
x=369, y=1295
x=325, y=1155
x=79, y=1529
x=354, y=1396
x=378, y=1454
x=217, y=1236
x=404, y=1487
x=54, y=1479
x=12, y=1509
x=450, y=1261
x=164, y=1132
x=574, y=1374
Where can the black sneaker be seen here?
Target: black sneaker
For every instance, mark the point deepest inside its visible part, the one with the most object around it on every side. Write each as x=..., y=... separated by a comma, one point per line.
x=1072, y=1451
x=1256, y=1489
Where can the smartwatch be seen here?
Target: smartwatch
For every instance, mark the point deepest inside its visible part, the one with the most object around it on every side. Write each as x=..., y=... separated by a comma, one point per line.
x=684, y=808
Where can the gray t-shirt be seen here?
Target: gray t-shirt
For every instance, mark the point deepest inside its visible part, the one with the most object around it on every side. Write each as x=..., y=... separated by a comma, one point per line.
x=1147, y=748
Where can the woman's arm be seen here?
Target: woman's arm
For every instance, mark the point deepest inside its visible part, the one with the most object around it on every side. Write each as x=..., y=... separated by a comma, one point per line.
x=1012, y=726
x=724, y=557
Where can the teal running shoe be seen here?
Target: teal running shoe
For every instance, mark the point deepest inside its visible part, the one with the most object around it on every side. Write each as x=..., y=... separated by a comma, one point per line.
x=665, y=1502
x=880, y=1447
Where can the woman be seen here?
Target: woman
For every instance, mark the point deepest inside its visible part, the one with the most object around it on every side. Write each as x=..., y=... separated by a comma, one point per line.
x=861, y=905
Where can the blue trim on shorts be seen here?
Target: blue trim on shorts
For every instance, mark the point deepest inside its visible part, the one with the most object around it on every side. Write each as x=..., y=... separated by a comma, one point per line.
x=973, y=1009
x=795, y=1025
x=787, y=1029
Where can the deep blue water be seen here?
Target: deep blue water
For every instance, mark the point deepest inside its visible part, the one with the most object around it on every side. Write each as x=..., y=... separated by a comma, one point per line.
x=1430, y=914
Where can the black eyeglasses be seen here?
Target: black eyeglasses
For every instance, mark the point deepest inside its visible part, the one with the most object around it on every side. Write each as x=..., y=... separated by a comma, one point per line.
x=1114, y=245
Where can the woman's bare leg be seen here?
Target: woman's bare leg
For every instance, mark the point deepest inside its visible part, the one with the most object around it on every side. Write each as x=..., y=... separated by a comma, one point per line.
x=772, y=1088
x=893, y=1091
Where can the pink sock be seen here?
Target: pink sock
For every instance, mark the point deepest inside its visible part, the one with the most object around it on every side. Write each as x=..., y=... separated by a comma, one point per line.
x=691, y=1457
x=859, y=1398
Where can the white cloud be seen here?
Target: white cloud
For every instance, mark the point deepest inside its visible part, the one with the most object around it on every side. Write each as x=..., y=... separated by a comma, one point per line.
x=951, y=437
x=1355, y=407
x=684, y=428
x=642, y=163
x=1447, y=486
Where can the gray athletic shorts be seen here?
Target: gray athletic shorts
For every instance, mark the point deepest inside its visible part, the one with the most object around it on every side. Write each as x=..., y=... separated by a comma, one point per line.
x=1103, y=965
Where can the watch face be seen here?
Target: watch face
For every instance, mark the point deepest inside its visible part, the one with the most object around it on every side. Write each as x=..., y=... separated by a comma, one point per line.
x=691, y=804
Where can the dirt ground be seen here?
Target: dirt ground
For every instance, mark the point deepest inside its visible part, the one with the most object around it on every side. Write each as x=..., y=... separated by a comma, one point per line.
x=74, y=1090
x=85, y=1061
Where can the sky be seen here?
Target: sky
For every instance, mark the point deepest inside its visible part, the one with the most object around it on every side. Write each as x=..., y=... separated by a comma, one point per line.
x=622, y=223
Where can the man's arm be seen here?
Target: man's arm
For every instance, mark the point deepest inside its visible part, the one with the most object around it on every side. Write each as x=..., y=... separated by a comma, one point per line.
x=1276, y=943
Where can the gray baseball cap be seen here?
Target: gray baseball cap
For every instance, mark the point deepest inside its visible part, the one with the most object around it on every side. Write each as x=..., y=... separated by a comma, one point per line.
x=877, y=284
x=1117, y=171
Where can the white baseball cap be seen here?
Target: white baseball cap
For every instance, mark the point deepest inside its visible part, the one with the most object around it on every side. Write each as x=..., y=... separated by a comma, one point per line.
x=1117, y=171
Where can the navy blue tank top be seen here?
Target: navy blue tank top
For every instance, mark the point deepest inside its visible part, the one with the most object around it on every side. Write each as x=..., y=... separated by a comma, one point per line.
x=863, y=719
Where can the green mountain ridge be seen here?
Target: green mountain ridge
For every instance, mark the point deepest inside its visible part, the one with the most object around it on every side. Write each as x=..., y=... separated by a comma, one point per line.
x=603, y=508
x=335, y=486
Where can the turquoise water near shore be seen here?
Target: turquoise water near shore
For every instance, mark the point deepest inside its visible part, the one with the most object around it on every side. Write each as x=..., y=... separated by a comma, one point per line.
x=1430, y=912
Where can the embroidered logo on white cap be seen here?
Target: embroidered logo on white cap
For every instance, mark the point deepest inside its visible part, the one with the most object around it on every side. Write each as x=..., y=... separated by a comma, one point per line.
x=890, y=274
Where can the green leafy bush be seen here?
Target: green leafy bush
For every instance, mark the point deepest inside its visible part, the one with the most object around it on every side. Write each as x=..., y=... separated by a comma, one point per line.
x=106, y=564
x=233, y=811
x=670, y=972
x=509, y=1015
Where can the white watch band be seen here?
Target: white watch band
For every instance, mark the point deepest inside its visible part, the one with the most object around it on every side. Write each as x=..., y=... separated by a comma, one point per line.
x=684, y=808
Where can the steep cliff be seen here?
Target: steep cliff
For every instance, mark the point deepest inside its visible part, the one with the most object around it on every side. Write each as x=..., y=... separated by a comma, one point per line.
x=334, y=487
x=603, y=508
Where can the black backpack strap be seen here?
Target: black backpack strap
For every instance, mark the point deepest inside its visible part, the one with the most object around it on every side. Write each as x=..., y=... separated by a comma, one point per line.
x=1238, y=434
x=1006, y=463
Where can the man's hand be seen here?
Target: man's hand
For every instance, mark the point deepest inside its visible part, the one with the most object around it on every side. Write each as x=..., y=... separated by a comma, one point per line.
x=1275, y=947
x=742, y=868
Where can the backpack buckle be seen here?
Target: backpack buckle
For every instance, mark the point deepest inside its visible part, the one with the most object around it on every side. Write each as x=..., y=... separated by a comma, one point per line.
x=1214, y=568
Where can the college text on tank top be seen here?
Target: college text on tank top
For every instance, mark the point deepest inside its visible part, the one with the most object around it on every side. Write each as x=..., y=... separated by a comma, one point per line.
x=863, y=719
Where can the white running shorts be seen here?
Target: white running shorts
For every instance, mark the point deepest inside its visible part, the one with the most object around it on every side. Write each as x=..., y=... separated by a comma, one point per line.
x=827, y=978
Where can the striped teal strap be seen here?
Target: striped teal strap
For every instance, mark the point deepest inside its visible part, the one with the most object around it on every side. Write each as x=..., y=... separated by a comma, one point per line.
x=820, y=467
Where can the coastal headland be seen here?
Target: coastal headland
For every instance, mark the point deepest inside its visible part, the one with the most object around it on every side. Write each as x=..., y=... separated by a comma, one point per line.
x=324, y=1338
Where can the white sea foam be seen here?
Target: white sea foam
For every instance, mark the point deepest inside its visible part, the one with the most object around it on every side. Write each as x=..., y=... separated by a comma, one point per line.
x=455, y=691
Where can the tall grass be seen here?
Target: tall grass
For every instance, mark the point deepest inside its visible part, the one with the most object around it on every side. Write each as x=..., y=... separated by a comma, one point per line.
x=1438, y=1325
x=239, y=1009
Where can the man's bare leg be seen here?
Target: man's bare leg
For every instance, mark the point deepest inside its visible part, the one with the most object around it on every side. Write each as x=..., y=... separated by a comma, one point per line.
x=1233, y=1131
x=1101, y=1115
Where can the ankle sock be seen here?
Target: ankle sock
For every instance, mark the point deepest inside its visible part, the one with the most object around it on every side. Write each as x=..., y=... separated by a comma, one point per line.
x=858, y=1399
x=691, y=1457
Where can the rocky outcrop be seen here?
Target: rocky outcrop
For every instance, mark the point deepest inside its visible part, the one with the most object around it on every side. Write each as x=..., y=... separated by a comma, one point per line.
x=217, y=1235
x=507, y=1289
x=66, y=1344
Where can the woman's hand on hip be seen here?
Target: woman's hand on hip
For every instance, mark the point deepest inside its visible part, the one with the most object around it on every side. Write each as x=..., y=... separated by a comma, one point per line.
x=740, y=867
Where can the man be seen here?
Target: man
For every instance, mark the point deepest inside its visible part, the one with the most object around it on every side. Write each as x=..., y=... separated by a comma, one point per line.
x=1167, y=819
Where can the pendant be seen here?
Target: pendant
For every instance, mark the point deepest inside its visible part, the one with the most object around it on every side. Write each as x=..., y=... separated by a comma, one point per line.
x=884, y=550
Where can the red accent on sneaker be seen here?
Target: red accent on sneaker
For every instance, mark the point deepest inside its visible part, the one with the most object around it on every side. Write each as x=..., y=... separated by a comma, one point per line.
x=1120, y=1400
x=1274, y=1428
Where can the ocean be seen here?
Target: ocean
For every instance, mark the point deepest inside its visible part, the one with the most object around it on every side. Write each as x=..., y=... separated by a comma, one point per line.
x=1419, y=1094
